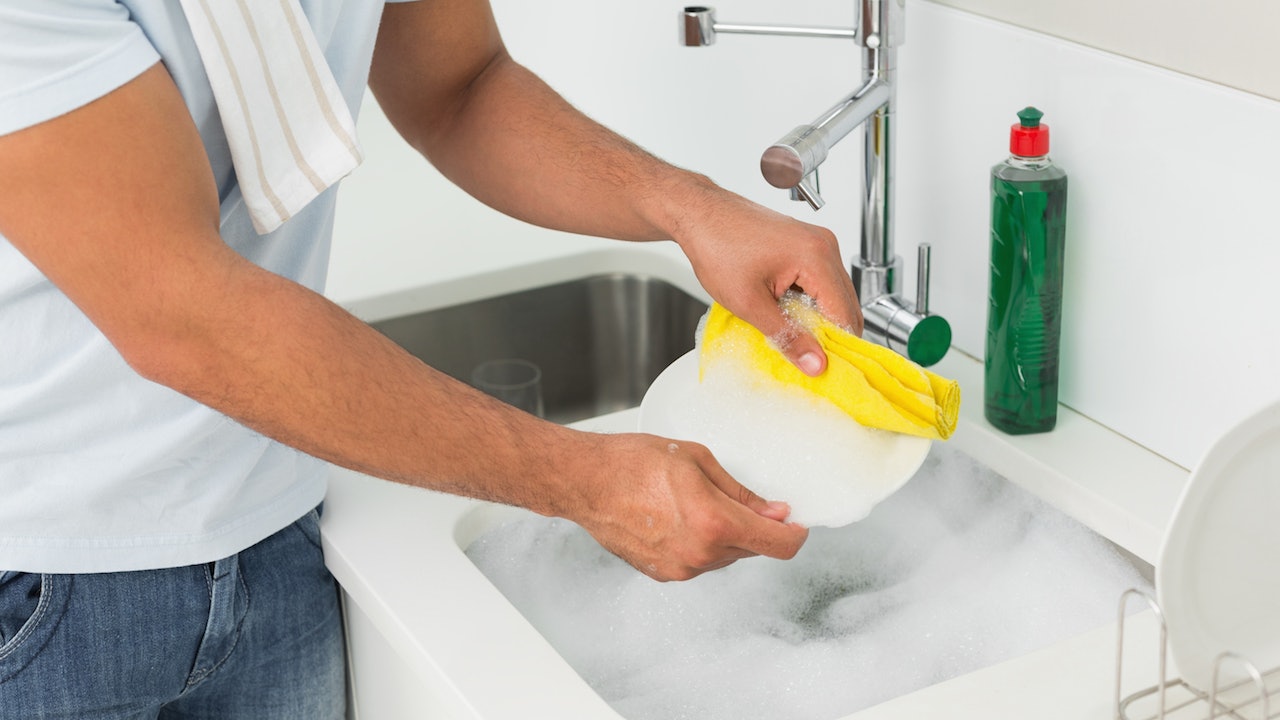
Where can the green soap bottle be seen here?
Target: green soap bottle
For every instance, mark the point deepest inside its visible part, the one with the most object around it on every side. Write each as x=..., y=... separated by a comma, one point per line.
x=1024, y=313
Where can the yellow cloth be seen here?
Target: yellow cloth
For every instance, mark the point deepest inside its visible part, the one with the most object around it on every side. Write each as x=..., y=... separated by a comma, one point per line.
x=875, y=385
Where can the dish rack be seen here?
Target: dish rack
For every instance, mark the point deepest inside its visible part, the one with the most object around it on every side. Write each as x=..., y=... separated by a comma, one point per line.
x=1247, y=699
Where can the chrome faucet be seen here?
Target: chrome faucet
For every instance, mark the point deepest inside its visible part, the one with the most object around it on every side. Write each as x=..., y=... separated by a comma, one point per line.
x=792, y=164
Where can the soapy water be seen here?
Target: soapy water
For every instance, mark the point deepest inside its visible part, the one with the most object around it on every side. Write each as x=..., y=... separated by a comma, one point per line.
x=957, y=571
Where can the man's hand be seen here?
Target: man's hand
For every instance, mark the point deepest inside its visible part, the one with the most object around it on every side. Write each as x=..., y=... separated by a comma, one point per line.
x=747, y=256
x=671, y=511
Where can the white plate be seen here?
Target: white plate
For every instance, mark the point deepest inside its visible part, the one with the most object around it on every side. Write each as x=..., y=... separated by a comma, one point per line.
x=1218, y=576
x=782, y=442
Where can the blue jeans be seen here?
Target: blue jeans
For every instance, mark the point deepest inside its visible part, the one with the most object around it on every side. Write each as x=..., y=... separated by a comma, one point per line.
x=256, y=635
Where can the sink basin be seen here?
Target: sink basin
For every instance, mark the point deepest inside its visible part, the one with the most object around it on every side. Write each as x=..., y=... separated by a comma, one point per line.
x=600, y=341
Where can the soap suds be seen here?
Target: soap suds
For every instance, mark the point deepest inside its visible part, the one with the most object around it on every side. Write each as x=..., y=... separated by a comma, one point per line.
x=958, y=570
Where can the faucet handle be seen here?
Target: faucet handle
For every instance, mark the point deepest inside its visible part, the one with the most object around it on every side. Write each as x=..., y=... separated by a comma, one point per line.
x=923, y=261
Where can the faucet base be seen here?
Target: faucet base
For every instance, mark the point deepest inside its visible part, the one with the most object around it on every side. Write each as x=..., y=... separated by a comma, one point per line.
x=871, y=281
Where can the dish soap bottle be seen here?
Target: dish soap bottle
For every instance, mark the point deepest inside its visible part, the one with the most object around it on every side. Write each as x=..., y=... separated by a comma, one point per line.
x=1024, y=313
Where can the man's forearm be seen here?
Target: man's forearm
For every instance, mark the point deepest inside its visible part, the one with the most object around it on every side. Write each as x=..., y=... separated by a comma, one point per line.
x=510, y=140
x=521, y=148
x=287, y=362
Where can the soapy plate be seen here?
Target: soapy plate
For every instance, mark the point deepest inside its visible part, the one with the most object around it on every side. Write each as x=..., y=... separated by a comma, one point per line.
x=1218, y=575
x=782, y=442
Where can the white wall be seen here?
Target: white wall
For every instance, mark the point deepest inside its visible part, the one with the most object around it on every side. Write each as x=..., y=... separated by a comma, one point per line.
x=1168, y=330
x=1232, y=42
x=1171, y=241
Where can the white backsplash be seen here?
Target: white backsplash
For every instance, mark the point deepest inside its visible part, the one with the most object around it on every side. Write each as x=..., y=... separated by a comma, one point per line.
x=1169, y=330
x=1168, y=337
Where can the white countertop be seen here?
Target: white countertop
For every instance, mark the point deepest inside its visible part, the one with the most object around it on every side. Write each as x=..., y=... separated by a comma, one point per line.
x=374, y=530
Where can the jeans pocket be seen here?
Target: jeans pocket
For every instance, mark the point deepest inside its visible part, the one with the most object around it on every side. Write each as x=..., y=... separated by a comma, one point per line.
x=309, y=526
x=19, y=598
x=31, y=605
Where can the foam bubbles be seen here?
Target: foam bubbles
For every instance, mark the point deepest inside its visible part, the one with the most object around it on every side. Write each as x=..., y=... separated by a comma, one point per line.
x=958, y=570
x=808, y=452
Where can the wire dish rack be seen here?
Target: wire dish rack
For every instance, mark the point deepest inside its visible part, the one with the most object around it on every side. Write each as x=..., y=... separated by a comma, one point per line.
x=1247, y=699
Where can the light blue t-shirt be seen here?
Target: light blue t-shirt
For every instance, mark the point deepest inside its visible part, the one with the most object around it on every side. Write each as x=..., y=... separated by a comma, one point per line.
x=101, y=470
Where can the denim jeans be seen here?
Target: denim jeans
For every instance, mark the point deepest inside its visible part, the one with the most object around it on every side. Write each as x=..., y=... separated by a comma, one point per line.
x=255, y=635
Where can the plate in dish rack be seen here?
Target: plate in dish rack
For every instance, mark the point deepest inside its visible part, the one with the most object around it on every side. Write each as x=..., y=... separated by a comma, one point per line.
x=782, y=442
x=1218, y=575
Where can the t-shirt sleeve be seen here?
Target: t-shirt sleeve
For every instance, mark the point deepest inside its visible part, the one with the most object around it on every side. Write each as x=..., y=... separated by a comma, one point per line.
x=58, y=55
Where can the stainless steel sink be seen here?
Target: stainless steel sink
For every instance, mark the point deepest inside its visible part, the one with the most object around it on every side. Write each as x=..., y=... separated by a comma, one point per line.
x=600, y=341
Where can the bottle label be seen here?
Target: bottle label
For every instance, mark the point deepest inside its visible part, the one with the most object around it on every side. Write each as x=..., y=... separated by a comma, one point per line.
x=1028, y=227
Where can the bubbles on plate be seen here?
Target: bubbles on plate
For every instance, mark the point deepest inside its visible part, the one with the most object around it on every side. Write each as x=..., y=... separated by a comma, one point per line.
x=782, y=442
x=958, y=570
x=787, y=444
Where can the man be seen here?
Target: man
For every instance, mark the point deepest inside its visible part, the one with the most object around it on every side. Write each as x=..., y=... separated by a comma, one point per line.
x=170, y=380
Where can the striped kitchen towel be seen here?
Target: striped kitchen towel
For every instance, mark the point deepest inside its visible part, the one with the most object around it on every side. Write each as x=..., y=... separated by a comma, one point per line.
x=289, y=129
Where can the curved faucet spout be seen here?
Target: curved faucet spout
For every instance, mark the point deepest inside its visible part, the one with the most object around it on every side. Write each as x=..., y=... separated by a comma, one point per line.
x=787, y=162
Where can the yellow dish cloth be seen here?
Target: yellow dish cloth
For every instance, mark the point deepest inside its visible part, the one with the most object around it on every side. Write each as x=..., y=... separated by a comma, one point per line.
x=875, y=385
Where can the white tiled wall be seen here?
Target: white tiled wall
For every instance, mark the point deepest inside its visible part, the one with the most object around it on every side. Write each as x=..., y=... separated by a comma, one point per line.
x=1169, y=336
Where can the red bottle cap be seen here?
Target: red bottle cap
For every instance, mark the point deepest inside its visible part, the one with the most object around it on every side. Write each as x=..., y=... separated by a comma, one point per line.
x=1028, y=138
